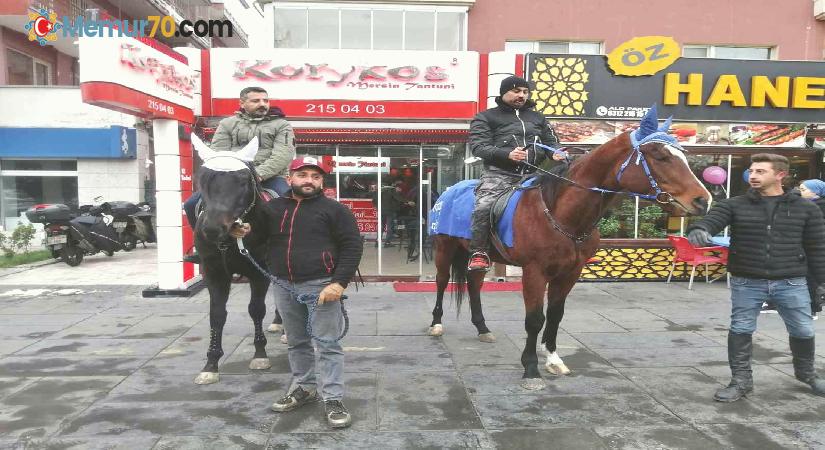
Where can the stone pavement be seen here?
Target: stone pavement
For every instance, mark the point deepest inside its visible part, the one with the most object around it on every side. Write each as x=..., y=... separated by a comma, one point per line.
x=87, y=366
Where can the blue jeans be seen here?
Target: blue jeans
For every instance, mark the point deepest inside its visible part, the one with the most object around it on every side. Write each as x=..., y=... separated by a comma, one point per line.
x=791, y=297
x=327, y=324
x=277, y=184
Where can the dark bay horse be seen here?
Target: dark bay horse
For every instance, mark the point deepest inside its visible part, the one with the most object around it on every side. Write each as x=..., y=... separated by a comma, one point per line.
x=555, y=231
x=231, y=192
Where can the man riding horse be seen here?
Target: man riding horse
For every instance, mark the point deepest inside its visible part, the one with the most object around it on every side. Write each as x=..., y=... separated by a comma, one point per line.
x=500, y=136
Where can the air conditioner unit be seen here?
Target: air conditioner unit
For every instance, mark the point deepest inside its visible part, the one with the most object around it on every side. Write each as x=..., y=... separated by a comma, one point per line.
x=819, y=9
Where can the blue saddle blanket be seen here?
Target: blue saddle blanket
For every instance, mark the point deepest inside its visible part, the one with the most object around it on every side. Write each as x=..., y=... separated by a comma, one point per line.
x=452, y=213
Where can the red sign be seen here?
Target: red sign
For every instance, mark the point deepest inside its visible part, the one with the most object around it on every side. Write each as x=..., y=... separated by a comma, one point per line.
x=356, y=109
x=364, y=212
x=129, y=101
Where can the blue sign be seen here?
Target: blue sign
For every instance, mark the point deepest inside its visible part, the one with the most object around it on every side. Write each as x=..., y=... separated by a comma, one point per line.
x=115, y=142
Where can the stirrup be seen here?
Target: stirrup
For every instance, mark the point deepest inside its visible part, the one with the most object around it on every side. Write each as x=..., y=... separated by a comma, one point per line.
x=484, y=265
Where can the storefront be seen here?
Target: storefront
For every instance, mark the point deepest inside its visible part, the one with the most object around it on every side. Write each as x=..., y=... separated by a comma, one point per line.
x=724, y=112
x=392, y=124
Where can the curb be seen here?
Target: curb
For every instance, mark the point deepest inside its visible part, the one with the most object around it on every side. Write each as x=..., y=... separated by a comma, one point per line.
x=23, y=268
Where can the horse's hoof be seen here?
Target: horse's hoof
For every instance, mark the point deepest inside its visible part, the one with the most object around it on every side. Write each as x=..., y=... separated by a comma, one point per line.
x=275, y=328
x=557, y=369
x=533, y=384
x=283, y=339
x=436, y=330
x=260, y=364
x=555, y=365
x=207, y=378
x=487, y=337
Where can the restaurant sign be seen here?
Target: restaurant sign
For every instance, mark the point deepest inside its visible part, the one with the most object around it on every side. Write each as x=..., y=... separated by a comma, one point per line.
x=690, y=89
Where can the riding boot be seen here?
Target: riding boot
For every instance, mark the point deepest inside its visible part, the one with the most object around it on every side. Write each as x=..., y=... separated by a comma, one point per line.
x=740, y=350
x=803, y=364
x=480, y=241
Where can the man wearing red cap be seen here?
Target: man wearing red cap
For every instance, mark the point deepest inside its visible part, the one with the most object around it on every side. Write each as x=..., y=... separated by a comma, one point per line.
x=314, y=248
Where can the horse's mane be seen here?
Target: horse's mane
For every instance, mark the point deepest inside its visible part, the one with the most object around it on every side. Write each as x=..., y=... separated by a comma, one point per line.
x=550, y=184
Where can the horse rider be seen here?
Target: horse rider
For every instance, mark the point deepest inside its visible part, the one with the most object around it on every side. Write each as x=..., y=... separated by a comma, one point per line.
x=500, y=136
x=776, y=238
x=276, y=145
x=314, y=248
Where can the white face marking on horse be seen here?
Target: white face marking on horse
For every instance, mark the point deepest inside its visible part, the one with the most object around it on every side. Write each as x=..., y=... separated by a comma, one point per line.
x=681, y=155
x=224, y=164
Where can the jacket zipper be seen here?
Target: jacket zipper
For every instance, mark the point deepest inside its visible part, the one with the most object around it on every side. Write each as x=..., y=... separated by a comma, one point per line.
x=770, y=227
x=289, y=241
x=524, y=133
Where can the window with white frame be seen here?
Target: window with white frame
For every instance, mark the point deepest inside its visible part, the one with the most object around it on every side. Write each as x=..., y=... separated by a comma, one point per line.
x=27, y=182
x=562, y=47
x=22, y=69
x=727, y=52
x=377, y=27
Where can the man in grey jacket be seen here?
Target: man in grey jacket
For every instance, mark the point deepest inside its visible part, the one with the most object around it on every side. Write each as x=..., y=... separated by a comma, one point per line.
x=254, y=118
x=501, y=137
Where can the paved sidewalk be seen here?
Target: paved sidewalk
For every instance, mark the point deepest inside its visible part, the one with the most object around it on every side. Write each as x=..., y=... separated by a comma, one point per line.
x=97, y=366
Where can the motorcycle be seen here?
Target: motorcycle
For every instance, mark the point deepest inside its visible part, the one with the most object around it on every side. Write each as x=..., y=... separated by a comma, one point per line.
x=56, y=219
x=133, y=223
x=93, y=231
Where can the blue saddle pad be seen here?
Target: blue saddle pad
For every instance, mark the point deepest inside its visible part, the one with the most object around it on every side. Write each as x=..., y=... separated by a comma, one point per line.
x=452, y=213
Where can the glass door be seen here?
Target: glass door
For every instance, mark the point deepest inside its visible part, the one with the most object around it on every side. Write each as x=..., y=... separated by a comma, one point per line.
x=356, y=173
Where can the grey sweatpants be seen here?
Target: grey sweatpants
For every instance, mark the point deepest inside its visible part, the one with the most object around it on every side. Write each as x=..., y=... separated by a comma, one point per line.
x=327, y=324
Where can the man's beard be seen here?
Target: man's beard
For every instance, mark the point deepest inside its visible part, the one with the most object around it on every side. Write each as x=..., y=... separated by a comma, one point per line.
x=298, y=190
x=259, y=112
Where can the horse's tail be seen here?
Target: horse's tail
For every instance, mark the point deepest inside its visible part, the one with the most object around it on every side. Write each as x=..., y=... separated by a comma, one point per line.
x=458, y=269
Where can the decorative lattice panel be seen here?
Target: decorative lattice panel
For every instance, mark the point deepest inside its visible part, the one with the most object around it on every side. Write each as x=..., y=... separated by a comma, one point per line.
x=641, y=264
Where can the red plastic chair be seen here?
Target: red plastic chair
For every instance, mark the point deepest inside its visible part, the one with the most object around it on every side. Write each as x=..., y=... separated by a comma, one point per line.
x=694, y=256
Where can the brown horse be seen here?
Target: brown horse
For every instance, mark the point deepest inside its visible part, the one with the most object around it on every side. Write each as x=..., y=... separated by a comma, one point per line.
x=555, y=231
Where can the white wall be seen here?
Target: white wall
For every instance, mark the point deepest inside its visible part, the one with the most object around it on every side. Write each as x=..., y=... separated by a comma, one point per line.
x=54, y=107
x=114, y=179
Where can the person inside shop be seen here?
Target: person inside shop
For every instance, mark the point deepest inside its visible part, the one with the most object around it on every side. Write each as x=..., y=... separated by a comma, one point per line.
x=776, y=238
x=814, y=190
x=502, y=137
x=255, y=117
x=392, y=201
x=314, y=247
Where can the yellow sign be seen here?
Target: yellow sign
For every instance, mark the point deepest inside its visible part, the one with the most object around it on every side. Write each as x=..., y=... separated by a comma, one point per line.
x=644, y=55
x=781, y=92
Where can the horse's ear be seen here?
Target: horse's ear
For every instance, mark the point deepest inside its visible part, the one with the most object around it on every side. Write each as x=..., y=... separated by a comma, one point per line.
x=249, y=151
x=649, y=124
x=666, y=126
x=202, y=149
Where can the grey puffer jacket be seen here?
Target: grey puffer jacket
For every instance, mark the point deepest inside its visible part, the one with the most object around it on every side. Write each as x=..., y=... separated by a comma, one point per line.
x=496, y=132
x=777, y=247
x=275, y=139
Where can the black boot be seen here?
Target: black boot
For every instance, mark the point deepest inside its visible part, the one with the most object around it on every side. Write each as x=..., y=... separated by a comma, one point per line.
x=480, y=237
x=740, y=350
x=803, y=364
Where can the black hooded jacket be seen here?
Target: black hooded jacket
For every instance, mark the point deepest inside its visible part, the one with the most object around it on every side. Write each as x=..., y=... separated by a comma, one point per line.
x=494, y=133
x=777, y=247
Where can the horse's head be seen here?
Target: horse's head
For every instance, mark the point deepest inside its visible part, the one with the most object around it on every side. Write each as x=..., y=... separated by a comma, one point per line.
x=228, y=187
x=654, y=164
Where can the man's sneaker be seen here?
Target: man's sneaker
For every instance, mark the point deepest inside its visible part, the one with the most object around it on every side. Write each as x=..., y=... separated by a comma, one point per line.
x=337, y=414
x=479, y=261
x=295, y=399
x=768, y=308
x=193, y=258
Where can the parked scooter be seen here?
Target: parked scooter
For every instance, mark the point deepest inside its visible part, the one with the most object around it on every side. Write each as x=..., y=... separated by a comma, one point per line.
x=56, y=219
x=133, y=223
x=93, y=230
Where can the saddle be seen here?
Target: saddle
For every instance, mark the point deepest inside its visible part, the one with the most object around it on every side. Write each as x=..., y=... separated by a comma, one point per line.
x=499, y=211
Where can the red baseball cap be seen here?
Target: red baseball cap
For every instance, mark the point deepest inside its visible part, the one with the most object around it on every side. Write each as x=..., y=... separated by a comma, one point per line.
x=304, y=161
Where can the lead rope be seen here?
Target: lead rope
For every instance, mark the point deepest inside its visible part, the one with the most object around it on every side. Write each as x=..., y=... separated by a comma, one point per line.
x=310, y=300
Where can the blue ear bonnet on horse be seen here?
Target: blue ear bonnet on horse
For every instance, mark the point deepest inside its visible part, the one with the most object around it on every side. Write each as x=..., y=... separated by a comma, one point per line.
x=650, y=131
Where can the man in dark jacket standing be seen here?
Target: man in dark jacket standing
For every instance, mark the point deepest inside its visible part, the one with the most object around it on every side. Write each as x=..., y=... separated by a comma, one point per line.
x=314, y=248
x=500, y=136
x=775, y=237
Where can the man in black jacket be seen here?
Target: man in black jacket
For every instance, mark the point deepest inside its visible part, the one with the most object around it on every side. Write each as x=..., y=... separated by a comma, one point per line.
x=314, y=248
x=500, y=136
x=775, y=237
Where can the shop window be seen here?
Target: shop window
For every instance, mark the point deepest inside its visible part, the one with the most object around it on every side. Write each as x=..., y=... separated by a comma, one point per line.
x=558, y=47
x=392, y=27
x=25, y=183
x=727, y=52
x=22, y=69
